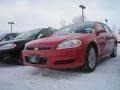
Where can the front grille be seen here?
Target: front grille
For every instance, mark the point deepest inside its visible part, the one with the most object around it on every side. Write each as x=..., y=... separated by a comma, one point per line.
x=38, y=48
x=41, y=60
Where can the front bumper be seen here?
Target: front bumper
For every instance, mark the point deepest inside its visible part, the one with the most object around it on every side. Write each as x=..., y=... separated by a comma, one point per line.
x=57, y=59
x=6, y=54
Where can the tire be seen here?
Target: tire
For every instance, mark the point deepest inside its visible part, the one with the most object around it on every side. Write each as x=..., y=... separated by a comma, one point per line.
x=114, y=52
x=91, y=58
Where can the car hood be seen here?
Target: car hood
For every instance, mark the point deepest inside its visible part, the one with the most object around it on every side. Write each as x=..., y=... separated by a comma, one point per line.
x=15, y=41
x=55, y=40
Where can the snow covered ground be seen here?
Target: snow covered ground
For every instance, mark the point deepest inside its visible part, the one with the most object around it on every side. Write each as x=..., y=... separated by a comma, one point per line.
x=105, y=77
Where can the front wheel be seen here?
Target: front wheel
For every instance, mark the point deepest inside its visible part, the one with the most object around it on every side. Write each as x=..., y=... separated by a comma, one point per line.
x=91, y=58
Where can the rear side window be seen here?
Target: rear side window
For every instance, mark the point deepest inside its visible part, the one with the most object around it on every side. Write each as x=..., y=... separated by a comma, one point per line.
x=107, y=28
x=15, y=34
x=46, y=32
x=99, y=26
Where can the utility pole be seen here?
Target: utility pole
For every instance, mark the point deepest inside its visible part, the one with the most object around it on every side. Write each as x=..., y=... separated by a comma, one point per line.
x=82, y=7
x=106, y=20
x=11, y=23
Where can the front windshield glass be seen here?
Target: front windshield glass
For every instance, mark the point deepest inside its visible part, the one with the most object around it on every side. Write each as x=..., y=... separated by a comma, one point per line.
x=87, y=28
x=28, y=34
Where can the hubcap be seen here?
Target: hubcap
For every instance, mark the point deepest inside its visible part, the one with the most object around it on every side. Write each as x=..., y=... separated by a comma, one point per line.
x=92, y=58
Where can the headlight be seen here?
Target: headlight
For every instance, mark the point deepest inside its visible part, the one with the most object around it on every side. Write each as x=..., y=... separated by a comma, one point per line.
x=8, y=46
x=70, y=44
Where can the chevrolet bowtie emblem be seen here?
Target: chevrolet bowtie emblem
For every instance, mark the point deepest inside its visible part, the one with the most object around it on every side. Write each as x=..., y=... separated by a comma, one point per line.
x=35, y=49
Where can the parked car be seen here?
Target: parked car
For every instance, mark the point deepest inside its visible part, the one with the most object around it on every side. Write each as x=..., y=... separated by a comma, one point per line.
x=10, y=51
x=72, y=46
x=8, y=36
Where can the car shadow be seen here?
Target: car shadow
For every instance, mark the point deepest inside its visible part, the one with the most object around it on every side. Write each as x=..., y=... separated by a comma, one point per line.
x=5, y=65
x=104, y=60
x=53, y=74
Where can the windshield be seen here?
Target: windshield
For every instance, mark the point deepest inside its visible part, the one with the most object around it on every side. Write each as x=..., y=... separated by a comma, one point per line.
x=87, y=28
x=28, y=34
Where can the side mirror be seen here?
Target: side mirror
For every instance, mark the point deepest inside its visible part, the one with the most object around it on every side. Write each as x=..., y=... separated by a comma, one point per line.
x=102, y=31
x=41, y=36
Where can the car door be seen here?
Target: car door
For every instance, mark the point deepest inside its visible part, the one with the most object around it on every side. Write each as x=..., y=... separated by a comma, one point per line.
x=110, y=39
x=101, y=39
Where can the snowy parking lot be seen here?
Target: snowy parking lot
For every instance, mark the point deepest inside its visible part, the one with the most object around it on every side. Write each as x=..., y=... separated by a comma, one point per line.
x=105, y=77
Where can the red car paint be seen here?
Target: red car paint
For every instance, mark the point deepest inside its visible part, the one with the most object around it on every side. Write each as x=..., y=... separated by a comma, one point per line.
x=72, y=57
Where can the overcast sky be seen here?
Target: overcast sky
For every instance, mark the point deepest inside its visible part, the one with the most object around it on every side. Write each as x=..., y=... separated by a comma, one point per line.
x=30, y=14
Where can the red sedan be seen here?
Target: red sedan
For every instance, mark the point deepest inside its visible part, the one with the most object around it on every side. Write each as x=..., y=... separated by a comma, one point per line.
x=72, y=46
